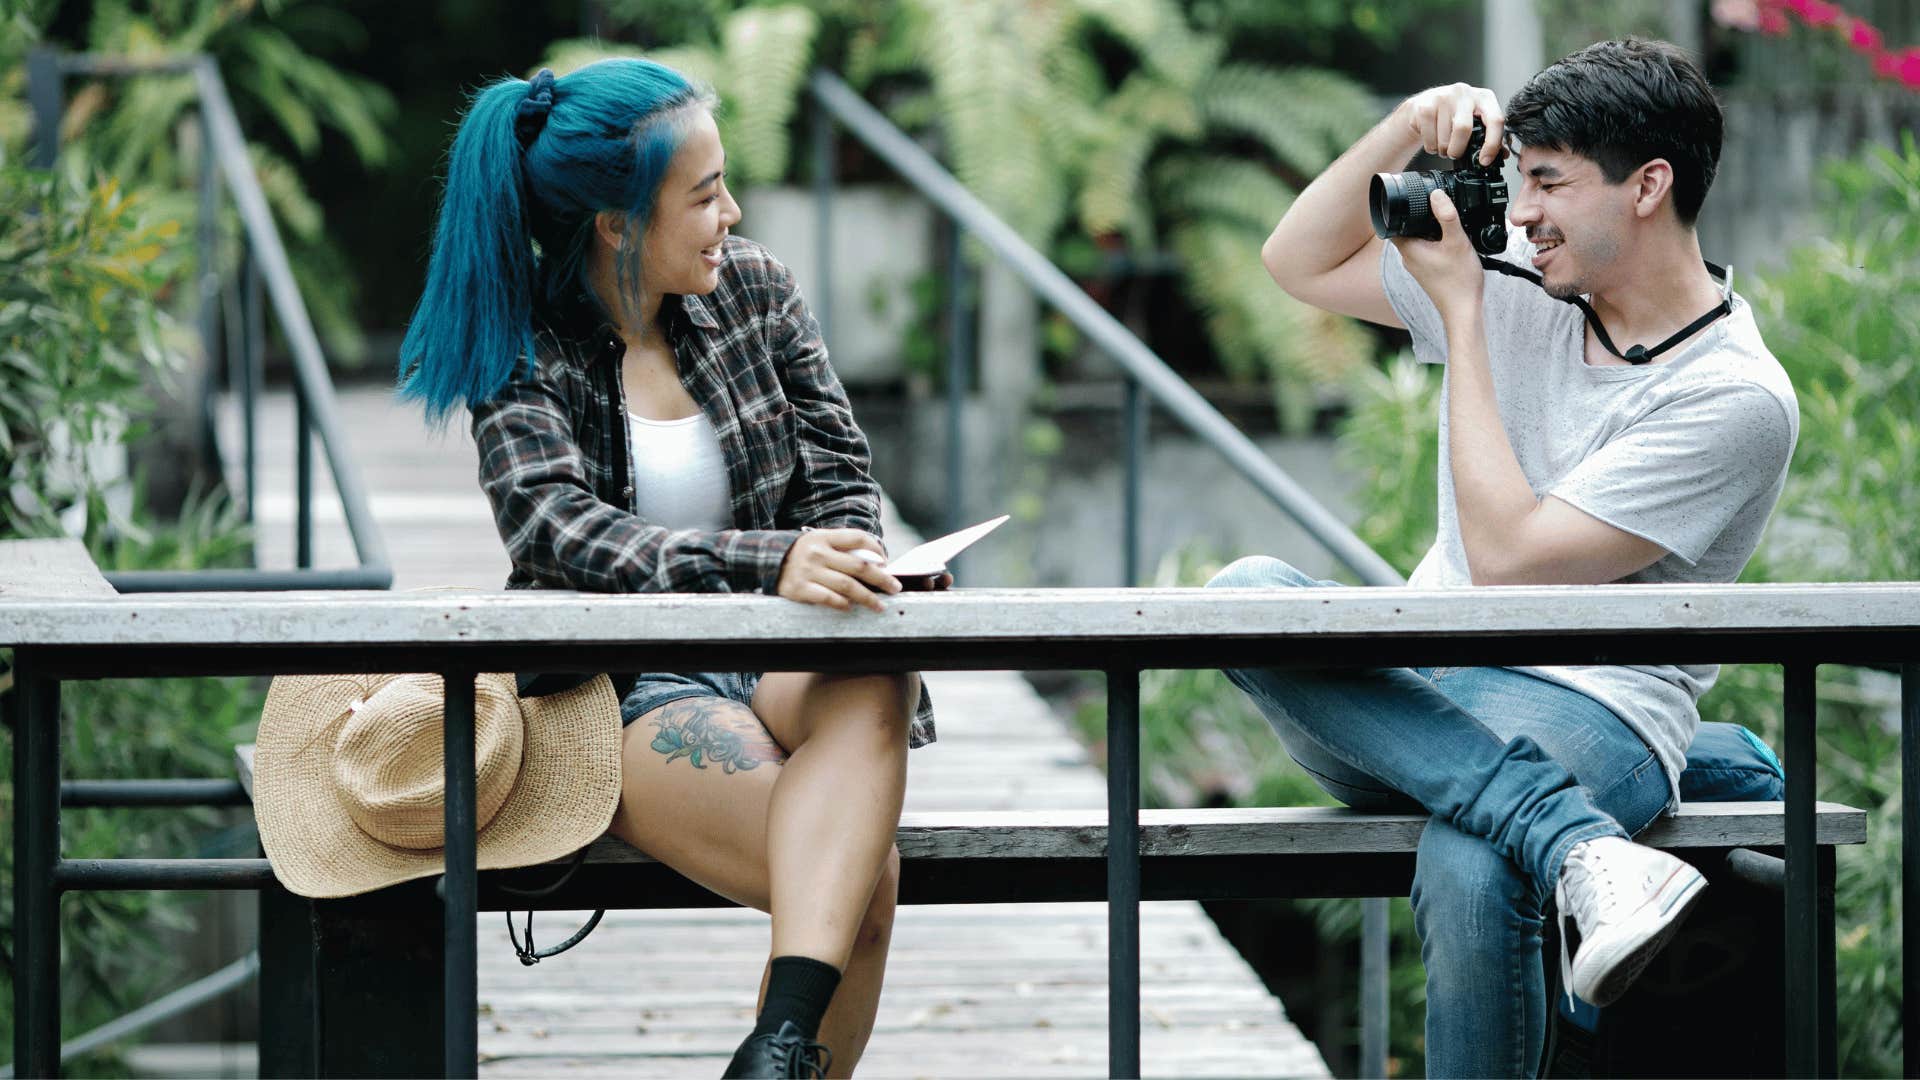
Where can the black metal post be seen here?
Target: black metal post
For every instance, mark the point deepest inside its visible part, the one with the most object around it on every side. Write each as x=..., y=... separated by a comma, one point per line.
x=1829, y=1018
x=957, y=376
x=823, y=182
x=1375, y=939
x=303, y=479
x=1909, y=864
x=153, y=793
x=1804, y=990
x=36, y=850
x=47, y=92
x=1135, y=407
x=1123, y=872
x=462, y=884
x=207, y=268
x=252, y=375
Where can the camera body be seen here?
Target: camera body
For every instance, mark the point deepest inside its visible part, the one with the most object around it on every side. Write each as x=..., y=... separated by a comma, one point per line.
x=1399, y=201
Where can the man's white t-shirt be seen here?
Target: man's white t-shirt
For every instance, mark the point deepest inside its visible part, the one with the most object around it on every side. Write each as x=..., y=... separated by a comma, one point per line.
x=1689, y=451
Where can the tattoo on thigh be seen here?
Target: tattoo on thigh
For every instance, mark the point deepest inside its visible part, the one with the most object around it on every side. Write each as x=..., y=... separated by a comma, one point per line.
x=712, y=731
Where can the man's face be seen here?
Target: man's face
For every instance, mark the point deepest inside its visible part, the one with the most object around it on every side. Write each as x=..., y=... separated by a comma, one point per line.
x=1577, y=222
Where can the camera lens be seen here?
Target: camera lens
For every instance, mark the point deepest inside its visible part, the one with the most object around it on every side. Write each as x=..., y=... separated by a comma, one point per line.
x=1398, y=204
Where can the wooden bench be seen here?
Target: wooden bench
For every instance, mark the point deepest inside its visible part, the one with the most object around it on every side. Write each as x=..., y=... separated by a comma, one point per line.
x=382, y=950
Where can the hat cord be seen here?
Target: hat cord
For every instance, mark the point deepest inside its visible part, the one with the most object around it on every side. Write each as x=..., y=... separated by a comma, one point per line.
x=528, y=955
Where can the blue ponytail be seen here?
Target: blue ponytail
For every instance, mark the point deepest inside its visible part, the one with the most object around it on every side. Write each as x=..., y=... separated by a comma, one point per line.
x=531, y=165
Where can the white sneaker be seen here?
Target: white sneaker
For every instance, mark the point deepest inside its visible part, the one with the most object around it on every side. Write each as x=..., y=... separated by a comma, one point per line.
x=1627, y=901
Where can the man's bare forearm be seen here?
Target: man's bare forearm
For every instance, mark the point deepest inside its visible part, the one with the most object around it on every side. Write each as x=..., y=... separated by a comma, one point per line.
x=1328, y=223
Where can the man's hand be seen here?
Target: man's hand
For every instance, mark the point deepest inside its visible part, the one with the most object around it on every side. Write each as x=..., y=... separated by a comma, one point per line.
x=1442, y=119
x=827, y=567
x=1447, y=268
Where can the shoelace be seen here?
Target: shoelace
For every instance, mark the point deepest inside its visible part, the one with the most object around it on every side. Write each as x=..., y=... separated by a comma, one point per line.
x=1599, y=882
x=809, y=1059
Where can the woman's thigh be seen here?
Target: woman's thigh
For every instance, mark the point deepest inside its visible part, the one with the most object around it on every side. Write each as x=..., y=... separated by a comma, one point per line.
x=1608, y=758
x=792, y=703
x=697, y=775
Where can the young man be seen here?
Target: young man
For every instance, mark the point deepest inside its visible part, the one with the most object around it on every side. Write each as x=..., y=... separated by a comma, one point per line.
x=1561, y=462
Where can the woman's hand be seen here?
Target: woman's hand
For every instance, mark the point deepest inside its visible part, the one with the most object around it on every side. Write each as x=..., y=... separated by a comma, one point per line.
x=837, y=568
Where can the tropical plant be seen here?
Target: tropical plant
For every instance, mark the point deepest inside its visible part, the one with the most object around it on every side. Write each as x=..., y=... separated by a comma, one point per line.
x=142, y=130
x=1073, y=119
x=82, y=335
x=83, y=339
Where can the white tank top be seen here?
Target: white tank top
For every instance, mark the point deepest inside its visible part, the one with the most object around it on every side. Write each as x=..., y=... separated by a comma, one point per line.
x=680, y=473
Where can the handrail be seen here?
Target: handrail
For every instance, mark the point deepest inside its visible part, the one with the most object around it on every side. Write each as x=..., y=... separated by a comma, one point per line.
x=1122, y=632
x=316, y=410
x=1167, y=388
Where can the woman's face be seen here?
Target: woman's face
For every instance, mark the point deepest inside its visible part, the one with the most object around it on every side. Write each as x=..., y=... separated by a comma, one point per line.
x=691, y=216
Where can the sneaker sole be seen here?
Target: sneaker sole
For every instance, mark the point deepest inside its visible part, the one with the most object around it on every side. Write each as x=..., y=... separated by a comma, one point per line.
x=1614, y=965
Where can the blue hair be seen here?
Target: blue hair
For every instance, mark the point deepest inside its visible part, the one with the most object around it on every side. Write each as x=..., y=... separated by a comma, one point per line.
x=516, y=219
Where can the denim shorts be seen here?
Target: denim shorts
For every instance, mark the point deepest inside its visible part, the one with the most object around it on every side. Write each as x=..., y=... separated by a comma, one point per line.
x=656, y=688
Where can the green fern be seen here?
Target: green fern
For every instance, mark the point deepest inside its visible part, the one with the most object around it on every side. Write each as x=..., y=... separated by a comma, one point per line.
x=984, y=60
x=1236, y=190
x=1305, y=117
x=1136, y=120
x=767, y=53
x=1258, y=329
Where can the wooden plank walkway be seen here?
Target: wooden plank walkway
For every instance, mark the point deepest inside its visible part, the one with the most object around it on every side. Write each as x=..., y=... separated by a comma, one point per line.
x=973, y=990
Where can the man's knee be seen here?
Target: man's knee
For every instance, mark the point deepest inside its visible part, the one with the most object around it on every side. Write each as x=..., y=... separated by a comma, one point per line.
x=1259, y=572
x=1465, y=889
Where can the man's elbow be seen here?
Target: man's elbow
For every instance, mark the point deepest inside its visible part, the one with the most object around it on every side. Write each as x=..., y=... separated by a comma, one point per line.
x=1489, y=569
x=1285, y=272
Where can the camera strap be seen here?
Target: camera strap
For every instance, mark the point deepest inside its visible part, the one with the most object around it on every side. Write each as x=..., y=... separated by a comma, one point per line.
x=1636, y=354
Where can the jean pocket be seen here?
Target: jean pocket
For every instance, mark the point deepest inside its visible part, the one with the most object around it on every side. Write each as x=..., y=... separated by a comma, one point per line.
x=1637, y=798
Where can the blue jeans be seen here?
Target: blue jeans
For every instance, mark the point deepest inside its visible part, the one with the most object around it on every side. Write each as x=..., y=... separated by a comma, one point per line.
x=1514, y=770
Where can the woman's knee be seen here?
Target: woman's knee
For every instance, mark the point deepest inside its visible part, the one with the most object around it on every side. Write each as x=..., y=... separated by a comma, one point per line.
x=1259, y=572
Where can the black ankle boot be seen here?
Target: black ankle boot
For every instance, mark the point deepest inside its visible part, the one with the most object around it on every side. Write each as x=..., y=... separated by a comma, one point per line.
x=783, y=1053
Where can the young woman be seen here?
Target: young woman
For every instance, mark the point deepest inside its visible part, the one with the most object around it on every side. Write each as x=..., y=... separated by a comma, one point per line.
x=654, y=413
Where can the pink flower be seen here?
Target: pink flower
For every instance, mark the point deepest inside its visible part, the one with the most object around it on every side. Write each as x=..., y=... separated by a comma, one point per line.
x=1864, y=38
x=1908, y=70
x=1738, y=14
x=1772, y=22
x=1886, y=65
x=1816, y=12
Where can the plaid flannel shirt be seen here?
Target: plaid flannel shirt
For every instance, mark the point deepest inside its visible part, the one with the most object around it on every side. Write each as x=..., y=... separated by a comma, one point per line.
x=556, y=452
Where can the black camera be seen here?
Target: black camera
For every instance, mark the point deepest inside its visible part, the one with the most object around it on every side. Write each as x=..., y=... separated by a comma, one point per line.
x=1398, y=201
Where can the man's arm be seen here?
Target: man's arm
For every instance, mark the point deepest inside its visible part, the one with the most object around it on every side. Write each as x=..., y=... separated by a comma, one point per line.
x=1511, y=536
x=1323, y=252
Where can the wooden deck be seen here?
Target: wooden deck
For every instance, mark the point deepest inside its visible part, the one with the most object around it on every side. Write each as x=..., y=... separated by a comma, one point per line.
x=978, y=990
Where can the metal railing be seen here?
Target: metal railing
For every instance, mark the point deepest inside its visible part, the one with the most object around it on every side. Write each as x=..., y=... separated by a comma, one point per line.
x=1121, y=632
x=232, y=323
x=1148, y=382
x=231, y=320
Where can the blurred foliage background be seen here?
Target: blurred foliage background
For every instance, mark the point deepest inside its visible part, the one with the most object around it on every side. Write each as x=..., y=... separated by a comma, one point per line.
x=1146, y=145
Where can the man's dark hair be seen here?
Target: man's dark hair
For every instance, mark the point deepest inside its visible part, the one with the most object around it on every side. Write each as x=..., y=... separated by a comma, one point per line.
x=1622, y=104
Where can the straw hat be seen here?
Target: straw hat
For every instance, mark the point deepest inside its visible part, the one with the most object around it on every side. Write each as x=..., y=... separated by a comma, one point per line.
x=349, y=787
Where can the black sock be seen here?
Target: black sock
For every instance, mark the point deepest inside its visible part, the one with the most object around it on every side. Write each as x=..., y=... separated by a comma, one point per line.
x=798, y=989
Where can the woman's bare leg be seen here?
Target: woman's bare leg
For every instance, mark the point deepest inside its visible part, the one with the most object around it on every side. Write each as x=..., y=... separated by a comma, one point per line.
x=729, y=824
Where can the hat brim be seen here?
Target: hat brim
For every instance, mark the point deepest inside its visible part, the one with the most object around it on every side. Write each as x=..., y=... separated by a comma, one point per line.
x=562, y=800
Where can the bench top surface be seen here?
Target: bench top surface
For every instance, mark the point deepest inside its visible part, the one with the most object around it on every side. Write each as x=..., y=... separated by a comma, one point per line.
x=1276, y=830
x=1077, y=615
x=50, y=570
